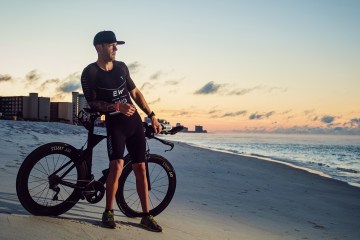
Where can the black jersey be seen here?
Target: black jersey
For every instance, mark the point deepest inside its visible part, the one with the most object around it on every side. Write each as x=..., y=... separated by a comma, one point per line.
x=109, y=86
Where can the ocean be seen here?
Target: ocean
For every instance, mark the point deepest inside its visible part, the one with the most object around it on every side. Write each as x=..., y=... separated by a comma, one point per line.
x=335, y=156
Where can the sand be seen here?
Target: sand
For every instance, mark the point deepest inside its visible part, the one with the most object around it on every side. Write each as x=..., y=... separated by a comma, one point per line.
x=218, y=196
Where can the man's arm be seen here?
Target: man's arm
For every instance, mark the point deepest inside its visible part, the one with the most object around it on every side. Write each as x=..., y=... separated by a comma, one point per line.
x=141, y=102
x=105, y=107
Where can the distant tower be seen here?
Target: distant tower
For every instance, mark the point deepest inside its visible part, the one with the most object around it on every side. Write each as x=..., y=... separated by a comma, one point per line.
x=78, y=103
x=199, y=129
x=82, y=103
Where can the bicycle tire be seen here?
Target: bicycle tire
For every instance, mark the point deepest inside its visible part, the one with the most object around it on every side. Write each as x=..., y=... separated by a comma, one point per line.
x=163, y=185
x=32, y=182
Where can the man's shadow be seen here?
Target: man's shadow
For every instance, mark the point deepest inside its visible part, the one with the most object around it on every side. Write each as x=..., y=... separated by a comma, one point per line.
x=9, y=204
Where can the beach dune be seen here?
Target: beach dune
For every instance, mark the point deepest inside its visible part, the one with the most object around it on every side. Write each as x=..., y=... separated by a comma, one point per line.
x=218, y=196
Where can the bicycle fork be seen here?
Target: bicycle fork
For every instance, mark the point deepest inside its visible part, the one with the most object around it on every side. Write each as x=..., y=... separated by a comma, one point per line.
x=147, y=175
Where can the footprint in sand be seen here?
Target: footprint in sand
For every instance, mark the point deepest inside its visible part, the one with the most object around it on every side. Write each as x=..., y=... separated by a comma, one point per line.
x=35, y=137
x=317, y=226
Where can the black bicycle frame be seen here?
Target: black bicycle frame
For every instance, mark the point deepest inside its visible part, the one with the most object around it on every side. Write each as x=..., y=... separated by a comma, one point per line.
x=86, y=155
x=93, y=140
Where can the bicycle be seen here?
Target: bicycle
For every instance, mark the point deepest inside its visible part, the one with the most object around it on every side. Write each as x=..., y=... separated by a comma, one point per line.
x=55, y=176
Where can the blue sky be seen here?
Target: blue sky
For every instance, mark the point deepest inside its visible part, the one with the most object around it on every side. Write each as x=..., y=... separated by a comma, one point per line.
x=228, y=65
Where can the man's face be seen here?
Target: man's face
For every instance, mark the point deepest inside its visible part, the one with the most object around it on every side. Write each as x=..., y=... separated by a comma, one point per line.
x=108, y=51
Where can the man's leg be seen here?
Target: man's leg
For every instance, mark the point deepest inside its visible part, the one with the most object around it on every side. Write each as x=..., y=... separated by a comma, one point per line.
x=142, y=188
x=142, y=185
x=112, y=183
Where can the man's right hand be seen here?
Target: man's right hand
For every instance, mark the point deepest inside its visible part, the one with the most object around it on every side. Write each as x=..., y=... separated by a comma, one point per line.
x=125, y=108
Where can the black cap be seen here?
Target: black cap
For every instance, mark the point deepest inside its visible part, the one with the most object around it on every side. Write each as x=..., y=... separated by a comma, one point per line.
x=106, y=37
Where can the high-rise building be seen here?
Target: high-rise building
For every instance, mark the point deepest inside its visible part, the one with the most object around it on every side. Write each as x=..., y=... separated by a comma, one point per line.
x=185, y=129
x=199, y=128
x=44, y=109
x=78, y=103
x=75, y=103
x=61, y=112
x=82, y=102
x=12, y=107
x=29, y=107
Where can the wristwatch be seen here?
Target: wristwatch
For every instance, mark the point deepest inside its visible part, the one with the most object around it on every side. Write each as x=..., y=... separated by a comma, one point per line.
x=151, y=115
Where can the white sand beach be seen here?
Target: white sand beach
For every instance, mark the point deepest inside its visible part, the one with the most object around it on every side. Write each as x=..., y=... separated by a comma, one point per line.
x=218, y=196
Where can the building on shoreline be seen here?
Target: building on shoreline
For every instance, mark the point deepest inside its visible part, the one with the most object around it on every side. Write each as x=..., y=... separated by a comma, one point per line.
x=30, y=107
x=35, y=108
x=61, y=112
x=198, y=129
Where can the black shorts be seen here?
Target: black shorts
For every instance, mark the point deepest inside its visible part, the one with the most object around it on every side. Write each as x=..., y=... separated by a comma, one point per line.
x=129, y=133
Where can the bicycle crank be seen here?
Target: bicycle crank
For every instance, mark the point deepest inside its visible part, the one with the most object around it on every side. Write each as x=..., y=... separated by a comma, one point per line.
x=94, y=192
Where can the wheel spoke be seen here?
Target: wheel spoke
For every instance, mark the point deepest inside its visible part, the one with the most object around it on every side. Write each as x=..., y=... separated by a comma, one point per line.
x=38, y=182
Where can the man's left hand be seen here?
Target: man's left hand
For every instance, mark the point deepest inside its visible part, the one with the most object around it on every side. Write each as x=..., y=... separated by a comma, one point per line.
x=156, y=125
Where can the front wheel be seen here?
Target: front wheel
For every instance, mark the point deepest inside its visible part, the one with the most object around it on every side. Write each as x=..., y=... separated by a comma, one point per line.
x=163, y=184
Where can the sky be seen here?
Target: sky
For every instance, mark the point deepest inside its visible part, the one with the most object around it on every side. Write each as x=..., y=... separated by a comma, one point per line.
x=248, y=66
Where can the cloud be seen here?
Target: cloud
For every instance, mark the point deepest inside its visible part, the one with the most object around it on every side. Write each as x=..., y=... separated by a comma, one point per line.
x=146, y=86
x=155, y=101
x=45, y=84
x=269, y=114
x=172, y=82
x=70, y=84
x=286, y=112
x=356, y=121
x=31, y=78
x=315, y=118
x=244, y=91
x=353, y=123
x=290, y=117
x=212, y=88
x=270, y=89
x=327, y=119
x=213, y=111
x=209, y=88
x=235, y=114
x=315, y=130
x=181, y=113
x=256, y=116
x=134, y=67
x=156, y=75
x=5, y=78
x=307, y=112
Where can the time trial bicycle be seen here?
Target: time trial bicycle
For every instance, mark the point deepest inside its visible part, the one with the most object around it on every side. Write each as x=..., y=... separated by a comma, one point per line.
x=55, y=176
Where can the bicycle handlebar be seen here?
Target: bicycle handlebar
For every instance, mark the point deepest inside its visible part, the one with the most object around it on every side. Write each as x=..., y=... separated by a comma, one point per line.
x=87, y=117
x=167, y=129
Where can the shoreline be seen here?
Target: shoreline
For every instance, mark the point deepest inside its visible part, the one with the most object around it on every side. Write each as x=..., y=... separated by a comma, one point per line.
x=271, y=159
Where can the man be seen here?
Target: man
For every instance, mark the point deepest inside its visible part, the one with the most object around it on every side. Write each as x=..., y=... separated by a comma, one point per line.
x=107, y=87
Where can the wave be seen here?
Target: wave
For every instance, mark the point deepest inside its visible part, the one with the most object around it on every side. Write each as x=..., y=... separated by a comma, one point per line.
x=347, y=170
